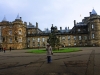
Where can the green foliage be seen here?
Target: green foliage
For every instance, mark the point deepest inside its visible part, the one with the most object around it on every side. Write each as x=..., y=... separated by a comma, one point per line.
x=66, y=50
x=53, y=41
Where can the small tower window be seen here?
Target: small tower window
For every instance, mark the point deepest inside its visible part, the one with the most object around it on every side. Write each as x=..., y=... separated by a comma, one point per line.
x=92, y=35
x=92, y=26
x=20, y=32
x=20, y=39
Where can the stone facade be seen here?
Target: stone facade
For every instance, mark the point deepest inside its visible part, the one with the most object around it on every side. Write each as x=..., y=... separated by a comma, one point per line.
x=19, y=35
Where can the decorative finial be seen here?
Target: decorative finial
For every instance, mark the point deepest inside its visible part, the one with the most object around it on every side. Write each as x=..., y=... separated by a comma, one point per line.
x=18, y=16
x=4, y=19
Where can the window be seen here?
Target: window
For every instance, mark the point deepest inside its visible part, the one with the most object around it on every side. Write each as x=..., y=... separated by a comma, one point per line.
x=0, y=39
x=10, y=40
x=43, y=39
x=63, y=38
x=88, y=29
x=92, y=35
x=32, y=32
x=10, y=32
x=28, y=40
x=0, y=31
x=92, y=26
x=74, y=43
x=10, y=26
x=20, y=40
x=19, y=25
x=79, y=30
x=69, y=44
x=33, y=39
x=79, y=37
x=74, y=37
x=33, y=44
x=28, y=46
x=20, y=32
x=68, y=37
x=85, y=37
x=28, y=32
x=4, y=26
x=38, y=39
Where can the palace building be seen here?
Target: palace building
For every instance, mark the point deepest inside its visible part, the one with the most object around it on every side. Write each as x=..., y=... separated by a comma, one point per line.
x=20, y=35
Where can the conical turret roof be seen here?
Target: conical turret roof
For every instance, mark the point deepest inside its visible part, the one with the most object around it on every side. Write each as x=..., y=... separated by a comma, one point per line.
x=93, y=12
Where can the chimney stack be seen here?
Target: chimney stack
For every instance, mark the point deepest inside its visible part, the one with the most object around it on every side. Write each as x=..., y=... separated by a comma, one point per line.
x=60, y=28
x=90, y=13
x=68, y=28
x=74, y=22
x=36, y=25
x=20, y=18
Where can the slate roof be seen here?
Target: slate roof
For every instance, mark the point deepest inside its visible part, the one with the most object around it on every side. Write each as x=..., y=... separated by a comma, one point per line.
x=31, y=26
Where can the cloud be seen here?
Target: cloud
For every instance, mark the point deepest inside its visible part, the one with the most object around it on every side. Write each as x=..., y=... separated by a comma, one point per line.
x=47, y=12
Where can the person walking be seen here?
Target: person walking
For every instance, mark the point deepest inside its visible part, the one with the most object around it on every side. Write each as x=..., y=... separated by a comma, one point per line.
x=49, y=53
x=4, y=49
x=10, y=48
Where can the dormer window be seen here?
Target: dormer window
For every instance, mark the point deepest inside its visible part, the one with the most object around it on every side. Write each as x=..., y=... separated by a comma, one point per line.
x=92, y=26
x=79, y=30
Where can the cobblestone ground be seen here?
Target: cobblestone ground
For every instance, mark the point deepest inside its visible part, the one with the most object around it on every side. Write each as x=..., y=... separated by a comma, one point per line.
x=17, y=62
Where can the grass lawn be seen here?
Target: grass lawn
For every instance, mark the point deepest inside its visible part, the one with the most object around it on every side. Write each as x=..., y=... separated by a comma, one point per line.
x=64, y=50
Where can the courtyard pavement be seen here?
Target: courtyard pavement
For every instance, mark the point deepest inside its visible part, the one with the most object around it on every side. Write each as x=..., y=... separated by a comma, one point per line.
x=17, y=62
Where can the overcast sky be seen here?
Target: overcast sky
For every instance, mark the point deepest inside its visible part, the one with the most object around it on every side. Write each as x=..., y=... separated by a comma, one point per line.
x=60, y=13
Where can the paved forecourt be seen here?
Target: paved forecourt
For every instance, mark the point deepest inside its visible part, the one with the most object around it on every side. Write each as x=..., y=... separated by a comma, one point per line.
x=17, y=62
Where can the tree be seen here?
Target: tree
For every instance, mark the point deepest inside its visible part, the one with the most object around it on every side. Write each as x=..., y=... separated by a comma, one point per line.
x=53, y=39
